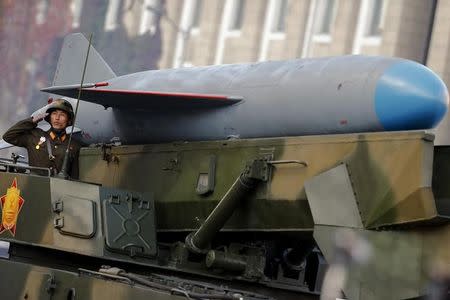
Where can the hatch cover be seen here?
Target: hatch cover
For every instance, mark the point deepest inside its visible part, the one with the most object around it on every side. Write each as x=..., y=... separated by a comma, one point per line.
x=129, y=222
x=75, y=216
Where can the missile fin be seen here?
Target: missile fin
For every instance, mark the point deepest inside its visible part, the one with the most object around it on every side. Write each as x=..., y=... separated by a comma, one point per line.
x=70, y=63
x=137, y=99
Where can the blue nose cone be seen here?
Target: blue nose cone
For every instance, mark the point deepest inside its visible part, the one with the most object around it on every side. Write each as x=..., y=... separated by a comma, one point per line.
x=410, y=96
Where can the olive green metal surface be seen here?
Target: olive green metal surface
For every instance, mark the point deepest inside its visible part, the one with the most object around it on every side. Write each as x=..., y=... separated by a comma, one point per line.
x=136, y=205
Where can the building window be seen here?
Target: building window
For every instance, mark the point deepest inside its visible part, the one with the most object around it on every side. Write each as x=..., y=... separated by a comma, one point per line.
x=41, y=12
x=230, y=25
x=112, y=15
x=197, y=13
x=370, y=24
x=237, y=14
x=189, y=26
x=149, y=17
x=76, y=7
x=279, y=21
x=274, y=26
x=375, y=16
x=324, y=19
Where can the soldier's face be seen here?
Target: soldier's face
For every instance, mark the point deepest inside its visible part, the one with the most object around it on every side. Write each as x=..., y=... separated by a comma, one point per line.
x=59, y=119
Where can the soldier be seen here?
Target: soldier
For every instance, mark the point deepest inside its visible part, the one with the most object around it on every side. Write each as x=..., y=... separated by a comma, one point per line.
x=47, y=148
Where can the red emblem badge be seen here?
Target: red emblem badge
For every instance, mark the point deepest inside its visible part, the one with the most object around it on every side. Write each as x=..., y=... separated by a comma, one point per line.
x=11, y=204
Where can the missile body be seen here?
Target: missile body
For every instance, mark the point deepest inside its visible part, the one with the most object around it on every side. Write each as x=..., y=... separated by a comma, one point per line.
x=345, y=94
x=300, y=97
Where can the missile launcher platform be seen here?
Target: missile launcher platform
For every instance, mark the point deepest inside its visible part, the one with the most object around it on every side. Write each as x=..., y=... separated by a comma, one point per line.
x=234, y=219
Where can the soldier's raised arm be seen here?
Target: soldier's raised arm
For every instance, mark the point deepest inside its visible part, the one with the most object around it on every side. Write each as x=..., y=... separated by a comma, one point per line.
x=19, y=133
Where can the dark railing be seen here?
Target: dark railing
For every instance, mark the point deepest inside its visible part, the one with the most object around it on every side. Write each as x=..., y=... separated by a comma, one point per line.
x=9, y=167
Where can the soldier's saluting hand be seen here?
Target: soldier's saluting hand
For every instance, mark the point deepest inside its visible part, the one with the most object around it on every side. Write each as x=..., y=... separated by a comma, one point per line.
x=47, y=148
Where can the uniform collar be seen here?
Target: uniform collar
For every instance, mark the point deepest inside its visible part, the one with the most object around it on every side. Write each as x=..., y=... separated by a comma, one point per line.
x=54, y=136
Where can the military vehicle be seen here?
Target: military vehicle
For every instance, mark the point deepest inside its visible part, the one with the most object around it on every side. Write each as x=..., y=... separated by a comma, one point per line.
x=261, y=214
x=256, y=218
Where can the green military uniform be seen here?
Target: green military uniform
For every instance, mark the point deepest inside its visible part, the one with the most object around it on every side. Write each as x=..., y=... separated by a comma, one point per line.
x=26, y=134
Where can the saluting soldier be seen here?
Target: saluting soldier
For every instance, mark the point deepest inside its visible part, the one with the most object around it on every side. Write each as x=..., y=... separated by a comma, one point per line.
x=47, y=148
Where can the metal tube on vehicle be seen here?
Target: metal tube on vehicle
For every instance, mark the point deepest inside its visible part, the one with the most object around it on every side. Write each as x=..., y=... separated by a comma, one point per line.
x=222, y=260
x=256, y=171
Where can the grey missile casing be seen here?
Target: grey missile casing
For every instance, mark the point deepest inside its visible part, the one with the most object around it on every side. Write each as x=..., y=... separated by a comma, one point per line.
x=298, y=97
x=283, y=98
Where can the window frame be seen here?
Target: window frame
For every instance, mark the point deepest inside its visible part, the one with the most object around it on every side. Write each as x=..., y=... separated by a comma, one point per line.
x=236, y=17
x=367, y=38
x=319, y=36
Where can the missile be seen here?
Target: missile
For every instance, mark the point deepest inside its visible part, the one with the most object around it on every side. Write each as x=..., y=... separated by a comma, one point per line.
x=330, y=95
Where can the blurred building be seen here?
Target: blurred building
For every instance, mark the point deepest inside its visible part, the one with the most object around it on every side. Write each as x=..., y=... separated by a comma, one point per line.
x=136, y=35
x=234, y=31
